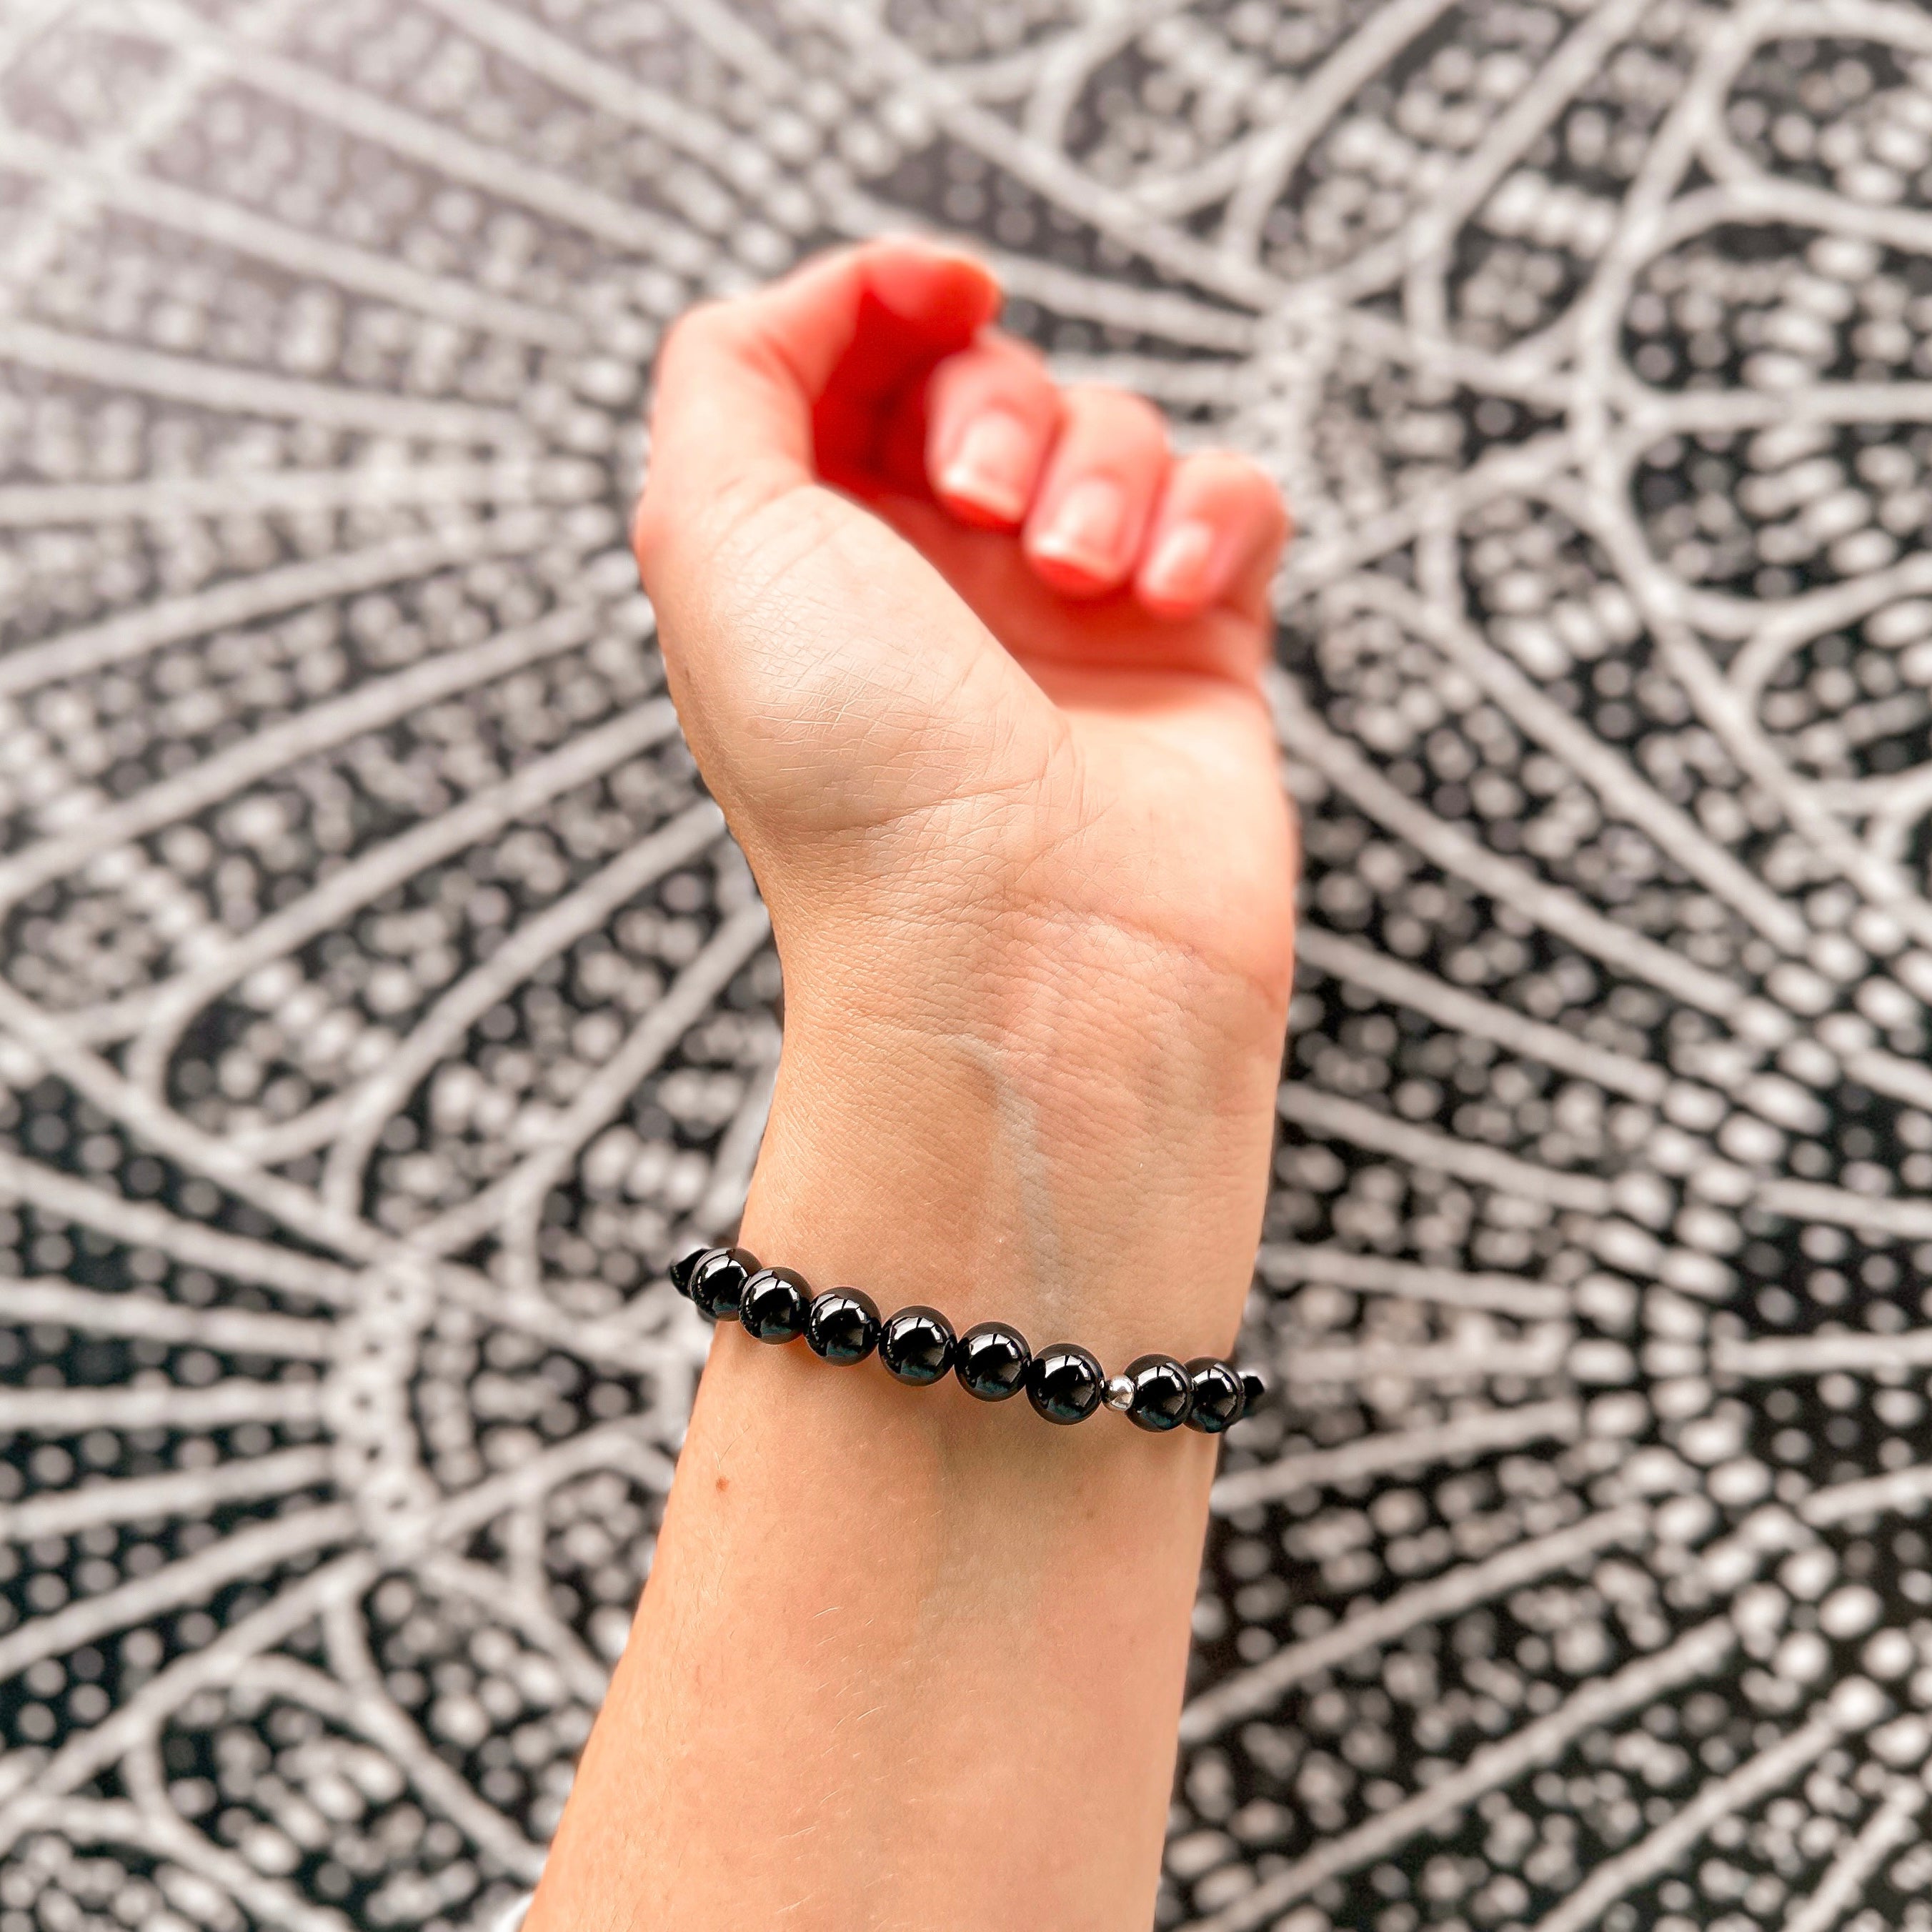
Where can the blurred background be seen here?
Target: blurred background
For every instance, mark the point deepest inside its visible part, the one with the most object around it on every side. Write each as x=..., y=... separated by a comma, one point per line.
x=382, y=1006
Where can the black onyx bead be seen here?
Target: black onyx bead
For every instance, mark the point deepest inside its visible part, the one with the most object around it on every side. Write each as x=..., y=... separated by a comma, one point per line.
x=1218, y=1395
x=1065, y=1383
x=774, y=1304
x=842, y=1325
x=1253, y=1389
x=992, y=1361
x=1163, y=1393
x=718, y=1280
x=916, y=1345
x=681, y=1268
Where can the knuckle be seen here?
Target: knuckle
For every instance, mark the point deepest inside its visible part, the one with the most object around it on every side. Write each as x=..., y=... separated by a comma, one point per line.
x=647, y=529
x=1018, y=352
x=1261, y=489
x=1266, y=495
x=961, y=380
x=1281, y=518
x=1229, y=470
x=1014, y=374
x=1117, y=413
x=1240, y=482
x=677, y=341
x=698, y=327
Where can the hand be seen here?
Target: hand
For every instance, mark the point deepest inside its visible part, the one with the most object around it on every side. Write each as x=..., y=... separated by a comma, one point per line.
x=972, y=664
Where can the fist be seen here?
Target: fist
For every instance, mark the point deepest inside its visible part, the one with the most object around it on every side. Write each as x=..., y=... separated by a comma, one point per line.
x=970, y=660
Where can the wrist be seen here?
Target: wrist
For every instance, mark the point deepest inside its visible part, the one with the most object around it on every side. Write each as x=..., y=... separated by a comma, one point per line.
x=1073, y=1137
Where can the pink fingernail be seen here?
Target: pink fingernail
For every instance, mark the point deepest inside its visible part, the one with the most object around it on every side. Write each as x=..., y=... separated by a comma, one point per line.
x=1177, y=572
x=992, y=468
x=1088, y=529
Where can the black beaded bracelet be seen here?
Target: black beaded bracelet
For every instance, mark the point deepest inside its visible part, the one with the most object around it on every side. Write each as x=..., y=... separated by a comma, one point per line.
x=992, y=1361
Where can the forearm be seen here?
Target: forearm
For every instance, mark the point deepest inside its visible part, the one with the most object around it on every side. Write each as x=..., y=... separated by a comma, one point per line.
x=879, y=1681
x=905, y=1659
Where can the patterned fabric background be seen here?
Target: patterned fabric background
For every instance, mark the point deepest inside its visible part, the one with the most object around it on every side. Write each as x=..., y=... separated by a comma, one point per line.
x=381, y=1007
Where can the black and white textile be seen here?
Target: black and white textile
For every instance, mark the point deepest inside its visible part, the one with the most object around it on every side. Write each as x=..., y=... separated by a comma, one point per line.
x=381, y=1005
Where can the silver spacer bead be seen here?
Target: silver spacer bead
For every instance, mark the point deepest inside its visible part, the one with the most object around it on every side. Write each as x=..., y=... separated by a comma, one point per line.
x=1120, y=1394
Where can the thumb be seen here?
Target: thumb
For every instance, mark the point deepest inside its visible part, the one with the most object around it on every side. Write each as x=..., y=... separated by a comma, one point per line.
x=796, y=383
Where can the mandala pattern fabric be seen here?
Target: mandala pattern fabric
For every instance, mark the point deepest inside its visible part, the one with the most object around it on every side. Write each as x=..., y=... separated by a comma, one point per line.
x=381, y=1005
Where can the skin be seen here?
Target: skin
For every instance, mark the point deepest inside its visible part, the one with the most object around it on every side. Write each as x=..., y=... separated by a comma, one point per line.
x=971, y=663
